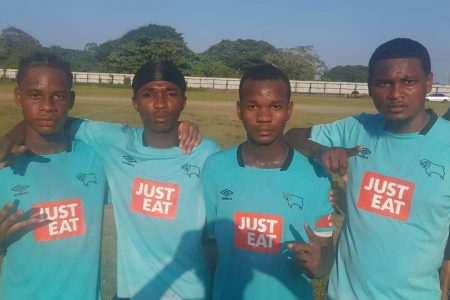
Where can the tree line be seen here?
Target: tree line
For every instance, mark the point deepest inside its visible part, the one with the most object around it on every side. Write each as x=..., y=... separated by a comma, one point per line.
x=225, y=59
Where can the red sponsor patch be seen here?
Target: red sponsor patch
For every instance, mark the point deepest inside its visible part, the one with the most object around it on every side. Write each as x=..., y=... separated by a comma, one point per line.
x=153, y=198
x=386, y=196
x=325, y=222
x=258, y=232
x=63, y=219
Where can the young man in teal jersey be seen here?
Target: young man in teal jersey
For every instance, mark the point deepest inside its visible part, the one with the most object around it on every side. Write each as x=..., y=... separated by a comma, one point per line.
x=155, y=190
x=52, y=197
x=398, y=189
x=267, y=205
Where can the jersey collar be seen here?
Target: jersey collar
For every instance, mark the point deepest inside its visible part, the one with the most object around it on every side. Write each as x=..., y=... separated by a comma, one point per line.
x=284, y=167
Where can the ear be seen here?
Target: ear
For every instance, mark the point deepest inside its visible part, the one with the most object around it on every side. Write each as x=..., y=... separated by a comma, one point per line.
x=184, y=102
x=238, y=109
x=429, y=82
x=72, y=99
x=18, y=96
x=289, y=110
x=134, y=101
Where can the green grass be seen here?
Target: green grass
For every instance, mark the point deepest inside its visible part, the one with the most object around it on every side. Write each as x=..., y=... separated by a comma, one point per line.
x=213, y=111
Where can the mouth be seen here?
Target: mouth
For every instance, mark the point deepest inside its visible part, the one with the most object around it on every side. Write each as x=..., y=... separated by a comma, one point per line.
x=396, y=108
x=47, y=122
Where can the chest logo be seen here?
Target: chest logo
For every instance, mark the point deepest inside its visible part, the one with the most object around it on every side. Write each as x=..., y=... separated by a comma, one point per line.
x=62, y=219
x=293, y=200
x=432, y=169
x=258, y=232
x=191, y=170
x=364, y=153
x=86, y=179
x=155, y=199
x=387, y=196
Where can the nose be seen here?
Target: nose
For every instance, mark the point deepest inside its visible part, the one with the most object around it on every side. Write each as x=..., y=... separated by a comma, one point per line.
x=264, y=115
x=160, y=101
x=395, y=91
x=47, y=104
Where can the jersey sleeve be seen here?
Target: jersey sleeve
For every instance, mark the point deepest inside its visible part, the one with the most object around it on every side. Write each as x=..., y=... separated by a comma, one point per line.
x=93, y=133
x=333, y=134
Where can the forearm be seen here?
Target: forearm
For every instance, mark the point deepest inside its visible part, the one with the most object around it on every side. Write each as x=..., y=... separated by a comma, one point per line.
x=299, y=139
x=444, y=276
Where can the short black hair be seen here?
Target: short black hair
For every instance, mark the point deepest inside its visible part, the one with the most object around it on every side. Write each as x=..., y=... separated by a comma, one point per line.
x=40, y=59
x=264, y=72
x=157, y=70
x=400, y=48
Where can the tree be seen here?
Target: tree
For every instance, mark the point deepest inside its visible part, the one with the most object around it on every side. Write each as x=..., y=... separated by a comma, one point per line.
x=212, y=68
x=139, y=37
x=348, y=73
x=239, y=54
x=15, y=44
x=129, y=57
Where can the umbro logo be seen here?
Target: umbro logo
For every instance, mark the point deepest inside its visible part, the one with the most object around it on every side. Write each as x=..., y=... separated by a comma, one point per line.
x=20, y=190
x=364, y=153
x=226, y=194
x=128, y=160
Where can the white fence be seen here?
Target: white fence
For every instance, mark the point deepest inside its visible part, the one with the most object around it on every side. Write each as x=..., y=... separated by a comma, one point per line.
x=305, y=87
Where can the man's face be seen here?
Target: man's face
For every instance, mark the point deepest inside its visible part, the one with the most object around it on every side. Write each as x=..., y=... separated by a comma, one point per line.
x=264, y=110
x=398, y=88
x=159, y=103
x=45, y=98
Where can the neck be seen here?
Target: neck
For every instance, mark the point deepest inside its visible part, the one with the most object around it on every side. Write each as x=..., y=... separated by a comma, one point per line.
x=45, y=144
x=265, y=156
x=415, y=124
x=161, y=139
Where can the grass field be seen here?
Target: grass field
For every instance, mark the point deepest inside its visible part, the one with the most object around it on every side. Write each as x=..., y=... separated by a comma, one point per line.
x=215, y=113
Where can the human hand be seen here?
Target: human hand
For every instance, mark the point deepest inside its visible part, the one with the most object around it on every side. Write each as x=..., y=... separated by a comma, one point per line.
x=335, y=160
x=9, y=151
x=189, y=136
x=11, y=223
x=309, y=255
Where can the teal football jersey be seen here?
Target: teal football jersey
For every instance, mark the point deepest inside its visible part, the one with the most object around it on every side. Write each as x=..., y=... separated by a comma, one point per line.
x=254, y=214
x=59, y=258
x=393, y=239
x=158, y=209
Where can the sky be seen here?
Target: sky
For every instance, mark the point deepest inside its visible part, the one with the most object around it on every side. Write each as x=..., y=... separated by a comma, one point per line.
x=343, y=32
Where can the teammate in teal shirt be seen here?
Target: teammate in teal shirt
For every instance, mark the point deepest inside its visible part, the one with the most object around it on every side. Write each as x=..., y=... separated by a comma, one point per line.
x=52, y=199
x=259, y=195
x=155, y=191
x=398, y=189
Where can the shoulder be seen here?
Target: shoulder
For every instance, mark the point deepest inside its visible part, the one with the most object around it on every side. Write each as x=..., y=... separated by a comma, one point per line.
x=208, y=145
x=221, y=159
x=440, y=131
x=308, y=168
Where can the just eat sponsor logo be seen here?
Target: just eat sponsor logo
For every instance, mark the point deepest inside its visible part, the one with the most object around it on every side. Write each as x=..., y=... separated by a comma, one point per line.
x=153, y=198
x=387, y=196
x=258, y=232
x=62, y=219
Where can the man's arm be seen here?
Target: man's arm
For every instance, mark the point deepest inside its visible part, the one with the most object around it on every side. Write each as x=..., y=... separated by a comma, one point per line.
x=315, y=257
x=334, y=160
x=444, y=273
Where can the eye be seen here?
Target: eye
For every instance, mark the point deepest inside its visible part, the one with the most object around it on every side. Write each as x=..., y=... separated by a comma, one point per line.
x=172, y=94
x=277, y=106
x=59, y=97
x=409, y=82
x=251, y=107
x=35, y=96
x=383, y=83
